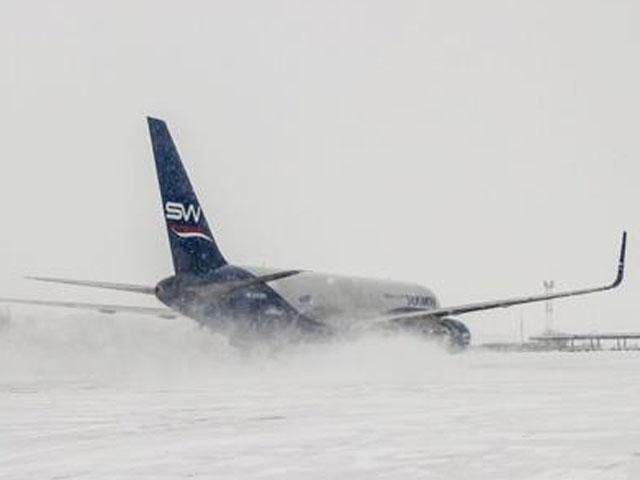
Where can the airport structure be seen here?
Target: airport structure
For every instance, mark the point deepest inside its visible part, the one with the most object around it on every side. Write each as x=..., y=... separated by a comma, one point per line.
x=570, y=342
x=591, y=341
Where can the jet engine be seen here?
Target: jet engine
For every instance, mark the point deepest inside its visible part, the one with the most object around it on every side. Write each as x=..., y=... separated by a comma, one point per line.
x=452, y=333
x=457, y=335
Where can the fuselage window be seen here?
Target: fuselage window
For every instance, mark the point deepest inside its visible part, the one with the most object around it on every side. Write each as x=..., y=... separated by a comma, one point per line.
x=305, y=299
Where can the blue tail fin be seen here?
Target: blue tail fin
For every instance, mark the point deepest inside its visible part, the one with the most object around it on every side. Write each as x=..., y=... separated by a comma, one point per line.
x=193, y=247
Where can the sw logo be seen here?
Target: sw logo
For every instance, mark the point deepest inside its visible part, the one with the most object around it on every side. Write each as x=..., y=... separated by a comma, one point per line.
x=187, y=214
x=182, y=213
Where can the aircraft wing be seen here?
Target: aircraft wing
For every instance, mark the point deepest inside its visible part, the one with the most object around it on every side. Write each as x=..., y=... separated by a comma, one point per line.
x=221, y=289
x=97, y=307
x=510, y=302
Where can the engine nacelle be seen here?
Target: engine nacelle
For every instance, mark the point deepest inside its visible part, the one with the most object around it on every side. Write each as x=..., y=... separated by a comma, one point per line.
x=452, y=333
x=458, y=336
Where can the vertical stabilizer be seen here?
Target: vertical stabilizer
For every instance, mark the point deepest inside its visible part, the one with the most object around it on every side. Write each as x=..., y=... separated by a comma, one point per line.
x=193, y=247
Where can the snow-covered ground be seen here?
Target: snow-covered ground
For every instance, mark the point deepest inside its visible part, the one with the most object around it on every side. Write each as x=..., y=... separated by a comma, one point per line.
x=90, y=396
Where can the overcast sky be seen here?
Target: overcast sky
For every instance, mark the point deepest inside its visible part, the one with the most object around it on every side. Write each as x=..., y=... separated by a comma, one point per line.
x=474, y=147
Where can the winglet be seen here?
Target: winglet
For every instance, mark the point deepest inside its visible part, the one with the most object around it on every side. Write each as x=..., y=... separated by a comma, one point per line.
x=623, y=252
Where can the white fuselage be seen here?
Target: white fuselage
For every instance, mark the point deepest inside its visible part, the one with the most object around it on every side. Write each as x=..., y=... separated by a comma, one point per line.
x=340, y=301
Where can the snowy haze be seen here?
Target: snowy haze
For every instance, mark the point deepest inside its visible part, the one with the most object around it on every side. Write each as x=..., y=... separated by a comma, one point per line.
x=81, y=397
x=477, y=148
x=474, y=147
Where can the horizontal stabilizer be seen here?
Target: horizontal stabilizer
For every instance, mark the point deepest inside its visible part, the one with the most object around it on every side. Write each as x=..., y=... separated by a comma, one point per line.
x=225, y=288
x=125, y=287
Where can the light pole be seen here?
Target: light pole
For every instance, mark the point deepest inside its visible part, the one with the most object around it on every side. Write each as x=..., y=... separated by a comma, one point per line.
x=548, y=305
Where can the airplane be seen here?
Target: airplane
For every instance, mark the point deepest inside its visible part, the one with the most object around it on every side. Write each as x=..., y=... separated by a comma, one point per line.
x=251, y=304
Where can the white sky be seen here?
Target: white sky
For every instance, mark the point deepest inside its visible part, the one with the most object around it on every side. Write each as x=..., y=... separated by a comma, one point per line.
x=475, y=147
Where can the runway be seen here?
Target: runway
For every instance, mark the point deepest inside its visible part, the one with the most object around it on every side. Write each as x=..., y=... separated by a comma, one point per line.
x=92, y=396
